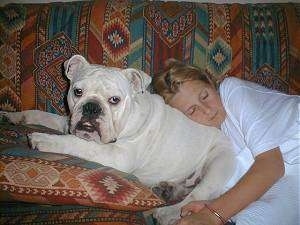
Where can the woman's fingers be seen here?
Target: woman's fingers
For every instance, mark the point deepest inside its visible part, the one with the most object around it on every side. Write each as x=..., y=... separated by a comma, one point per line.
x=192, y=207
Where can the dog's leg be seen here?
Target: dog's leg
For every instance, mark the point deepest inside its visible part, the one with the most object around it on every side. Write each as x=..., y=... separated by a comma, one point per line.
x=107, y=154
x=211, y=185
x=217, y=171
x=37, y=117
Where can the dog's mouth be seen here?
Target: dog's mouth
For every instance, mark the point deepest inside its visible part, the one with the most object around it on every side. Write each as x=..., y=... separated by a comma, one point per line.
x=86, y=126
x=87, y=129
x=91, y=129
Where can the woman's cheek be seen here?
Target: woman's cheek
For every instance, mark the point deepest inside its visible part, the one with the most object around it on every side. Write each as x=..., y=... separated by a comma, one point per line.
x=197, y=117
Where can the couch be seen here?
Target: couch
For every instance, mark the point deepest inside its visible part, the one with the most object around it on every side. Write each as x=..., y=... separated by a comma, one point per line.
x=256, y=42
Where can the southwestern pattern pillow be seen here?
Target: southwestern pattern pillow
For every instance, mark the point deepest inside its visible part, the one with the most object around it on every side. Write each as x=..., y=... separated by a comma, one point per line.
x=33, y=214
x=50, y=178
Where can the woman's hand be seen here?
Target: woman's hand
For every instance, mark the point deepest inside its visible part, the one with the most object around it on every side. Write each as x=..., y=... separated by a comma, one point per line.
x=192, y=207
x=195, y=213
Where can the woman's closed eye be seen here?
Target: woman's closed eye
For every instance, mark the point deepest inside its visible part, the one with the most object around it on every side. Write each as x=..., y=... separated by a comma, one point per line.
x=203, y=95
x=191, y=110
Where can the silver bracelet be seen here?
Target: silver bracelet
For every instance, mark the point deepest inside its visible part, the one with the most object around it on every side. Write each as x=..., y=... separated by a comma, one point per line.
x=216, y=214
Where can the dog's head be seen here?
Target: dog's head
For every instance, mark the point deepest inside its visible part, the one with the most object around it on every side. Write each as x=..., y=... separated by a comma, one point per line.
x=100, y=98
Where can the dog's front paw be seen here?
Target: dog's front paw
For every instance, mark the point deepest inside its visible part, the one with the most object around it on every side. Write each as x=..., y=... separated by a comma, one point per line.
x=4, y=117
x=12, y=117
x=41, y=142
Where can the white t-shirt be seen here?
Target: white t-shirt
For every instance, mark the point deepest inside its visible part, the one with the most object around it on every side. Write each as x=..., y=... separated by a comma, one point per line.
x=259, y=119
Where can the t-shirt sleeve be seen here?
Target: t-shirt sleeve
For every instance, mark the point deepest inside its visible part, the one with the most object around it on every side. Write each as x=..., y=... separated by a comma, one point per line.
x=265, y=117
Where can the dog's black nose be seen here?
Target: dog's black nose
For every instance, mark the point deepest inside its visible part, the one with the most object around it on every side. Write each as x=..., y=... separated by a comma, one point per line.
x=91, y=109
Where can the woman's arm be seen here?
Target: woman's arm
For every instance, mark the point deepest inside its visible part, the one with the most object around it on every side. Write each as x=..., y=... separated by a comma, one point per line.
x=267, y=168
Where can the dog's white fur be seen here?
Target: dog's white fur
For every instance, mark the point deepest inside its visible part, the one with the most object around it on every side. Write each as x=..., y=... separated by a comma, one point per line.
x=139, y=135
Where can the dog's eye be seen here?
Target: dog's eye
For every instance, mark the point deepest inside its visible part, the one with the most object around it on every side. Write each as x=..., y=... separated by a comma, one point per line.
x=114, y=100
x=78, y=92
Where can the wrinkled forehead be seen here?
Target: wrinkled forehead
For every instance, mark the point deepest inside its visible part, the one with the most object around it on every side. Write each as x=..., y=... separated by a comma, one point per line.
x=92, y=69
x=108, y=78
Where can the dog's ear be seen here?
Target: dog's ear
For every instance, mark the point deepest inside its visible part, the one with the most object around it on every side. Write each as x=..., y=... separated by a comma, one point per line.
x=73, y=64
x=138, y=79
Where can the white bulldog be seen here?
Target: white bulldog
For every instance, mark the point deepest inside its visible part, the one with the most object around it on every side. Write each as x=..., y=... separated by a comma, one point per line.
x=115, y=121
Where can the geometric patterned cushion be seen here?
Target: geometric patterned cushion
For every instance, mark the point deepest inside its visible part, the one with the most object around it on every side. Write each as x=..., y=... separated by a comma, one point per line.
x=51, y=178
x=33, y=214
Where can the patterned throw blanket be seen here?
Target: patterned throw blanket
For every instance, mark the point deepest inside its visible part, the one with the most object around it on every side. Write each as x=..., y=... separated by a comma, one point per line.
x=257, y=42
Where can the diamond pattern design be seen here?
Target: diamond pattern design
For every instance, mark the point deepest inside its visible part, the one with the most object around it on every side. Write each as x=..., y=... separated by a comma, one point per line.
x=116, y=39
x=32, y=174
x=218, y=58
x=106, y=187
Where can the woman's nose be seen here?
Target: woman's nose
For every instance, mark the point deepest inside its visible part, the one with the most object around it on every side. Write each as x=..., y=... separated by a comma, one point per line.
x=204, y=109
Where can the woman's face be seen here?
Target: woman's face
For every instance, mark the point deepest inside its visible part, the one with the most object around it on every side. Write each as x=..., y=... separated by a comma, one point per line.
x=200, y=102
